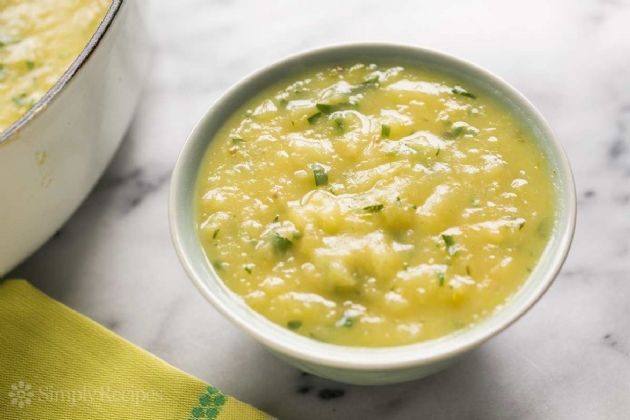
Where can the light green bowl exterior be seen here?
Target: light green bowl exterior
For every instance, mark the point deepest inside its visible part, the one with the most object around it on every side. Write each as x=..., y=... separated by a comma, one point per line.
x=355, y=364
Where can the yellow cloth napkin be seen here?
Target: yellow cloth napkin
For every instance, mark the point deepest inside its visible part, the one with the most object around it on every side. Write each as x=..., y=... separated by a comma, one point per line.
x=57, y=364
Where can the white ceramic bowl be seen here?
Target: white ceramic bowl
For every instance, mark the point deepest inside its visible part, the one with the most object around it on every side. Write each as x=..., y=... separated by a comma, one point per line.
x=51, y=157
x=354, y=364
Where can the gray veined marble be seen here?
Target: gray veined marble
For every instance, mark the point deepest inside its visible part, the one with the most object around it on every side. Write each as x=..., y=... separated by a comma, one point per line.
x=568, y=358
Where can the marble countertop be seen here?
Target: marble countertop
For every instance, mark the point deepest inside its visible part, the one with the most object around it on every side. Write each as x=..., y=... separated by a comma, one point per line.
x=568, y=358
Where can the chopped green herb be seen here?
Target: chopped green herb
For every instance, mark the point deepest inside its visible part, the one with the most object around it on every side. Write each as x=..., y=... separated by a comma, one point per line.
x=5, y=42
x=448, y=240
x=451, y=247
x=30, y=64
x=347, y=321
x=237, y=140
x=437, y=152
x=385, y=130
x=215, y=234
x=375, y=208
x=468, y=270
x=455, y=131
x=280, y=243
x=320, y=175
x=325, y=108
x=339, y=124
x=441, y=278
x=329, y=109
x=22, y=100
x=218, y=265
x=248, y=268
x=294, y=324
x=314, y=118
x=521, y=225
x=276, y=219
x=458, y=90
x=362, y=87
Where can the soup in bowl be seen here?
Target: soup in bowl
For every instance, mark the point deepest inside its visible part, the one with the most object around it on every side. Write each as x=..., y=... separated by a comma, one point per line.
x=370, y=212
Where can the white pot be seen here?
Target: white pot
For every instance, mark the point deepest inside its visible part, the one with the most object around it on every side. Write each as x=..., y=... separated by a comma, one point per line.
x=51, y=158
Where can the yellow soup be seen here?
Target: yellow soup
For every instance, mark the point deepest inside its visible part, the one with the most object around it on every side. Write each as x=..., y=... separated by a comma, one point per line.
x=374, y=205
x=38, y=41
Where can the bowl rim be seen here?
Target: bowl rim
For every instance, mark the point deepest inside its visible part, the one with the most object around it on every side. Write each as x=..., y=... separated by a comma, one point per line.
x=112, y=12
x=295, y=346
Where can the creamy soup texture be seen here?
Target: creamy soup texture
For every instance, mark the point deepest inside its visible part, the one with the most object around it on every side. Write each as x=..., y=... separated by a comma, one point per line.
x=374, y=205
x=38, y=41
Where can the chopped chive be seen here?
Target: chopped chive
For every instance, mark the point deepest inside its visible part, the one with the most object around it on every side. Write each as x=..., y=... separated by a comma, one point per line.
x=450, y=244
x=276, y=219
x=385, y=130
x=248, y=268
x=458, y=90
x=313, y=118
x=280, y=243
x=521, y=225
x=468, y=270
x=375, y=208
x=455, y=132
x=362, y=87
x=329, y=109
x=339, y=124
x=22, y=100
x=215, y=234
x=30, y=64
x=320, y=175
x=218, y=265
x=347, y=322
x=437, y=152
x=441, y=279
x=294, y=324
x=237, y=140
x=325, y=108
x=448, y=240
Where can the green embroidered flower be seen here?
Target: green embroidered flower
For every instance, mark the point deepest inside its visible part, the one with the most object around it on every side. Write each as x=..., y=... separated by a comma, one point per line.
x=210, y=404
x=204, y=400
